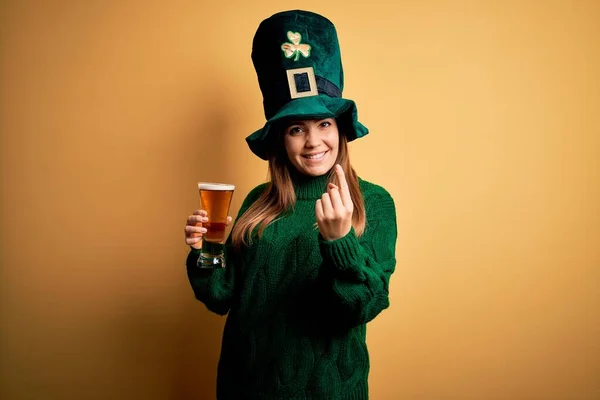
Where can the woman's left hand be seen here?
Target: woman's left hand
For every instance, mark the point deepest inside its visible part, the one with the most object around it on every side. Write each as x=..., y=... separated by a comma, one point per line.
x=334, y=209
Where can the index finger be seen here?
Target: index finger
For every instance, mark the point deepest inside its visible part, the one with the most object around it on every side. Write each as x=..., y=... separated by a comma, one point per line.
x=343, y=184
x=195, y=219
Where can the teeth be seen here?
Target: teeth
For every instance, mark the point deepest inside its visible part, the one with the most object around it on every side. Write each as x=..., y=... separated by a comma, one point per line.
x=315, y=156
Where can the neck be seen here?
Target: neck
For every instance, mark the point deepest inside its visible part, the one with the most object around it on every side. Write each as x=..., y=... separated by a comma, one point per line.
x=309, y=187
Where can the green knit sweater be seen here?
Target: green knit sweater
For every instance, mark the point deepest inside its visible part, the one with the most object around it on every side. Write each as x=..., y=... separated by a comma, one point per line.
x=298, y=305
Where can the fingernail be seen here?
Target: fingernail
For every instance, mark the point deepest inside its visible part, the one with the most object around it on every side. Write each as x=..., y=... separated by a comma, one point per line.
x=202, y=230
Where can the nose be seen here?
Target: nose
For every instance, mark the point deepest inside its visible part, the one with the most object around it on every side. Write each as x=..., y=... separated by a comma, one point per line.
x=312, y=138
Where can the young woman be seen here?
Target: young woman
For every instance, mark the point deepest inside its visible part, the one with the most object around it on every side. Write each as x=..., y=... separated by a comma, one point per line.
x=311, y=252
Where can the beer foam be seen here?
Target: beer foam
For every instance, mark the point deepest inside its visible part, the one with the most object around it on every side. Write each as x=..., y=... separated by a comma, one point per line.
x=215, y=186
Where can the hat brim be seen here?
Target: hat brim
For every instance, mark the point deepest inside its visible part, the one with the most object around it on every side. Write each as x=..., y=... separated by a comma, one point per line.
x=263, y=140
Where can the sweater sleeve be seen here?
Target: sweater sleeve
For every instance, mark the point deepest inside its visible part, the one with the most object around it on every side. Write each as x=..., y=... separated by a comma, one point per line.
x=213, y=287
x=360, y=269
x=216, y=288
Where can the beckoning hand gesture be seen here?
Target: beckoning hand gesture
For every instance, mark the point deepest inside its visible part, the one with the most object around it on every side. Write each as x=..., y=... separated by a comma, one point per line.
x=334, y=209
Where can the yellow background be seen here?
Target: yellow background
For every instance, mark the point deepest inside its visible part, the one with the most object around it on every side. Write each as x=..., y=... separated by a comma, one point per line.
x=484, y=119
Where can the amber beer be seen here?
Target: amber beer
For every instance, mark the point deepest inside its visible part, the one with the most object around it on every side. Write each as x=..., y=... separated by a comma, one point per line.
x=215, y=199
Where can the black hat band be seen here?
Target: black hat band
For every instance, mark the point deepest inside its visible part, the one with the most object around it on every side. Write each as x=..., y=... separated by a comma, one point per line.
x=301, y=84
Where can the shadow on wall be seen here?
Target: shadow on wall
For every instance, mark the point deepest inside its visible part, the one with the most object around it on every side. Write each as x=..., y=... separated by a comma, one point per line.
x=199, y=339
x=178, y=345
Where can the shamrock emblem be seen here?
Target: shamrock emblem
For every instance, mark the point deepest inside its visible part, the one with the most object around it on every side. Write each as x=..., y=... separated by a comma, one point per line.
x=295, y=48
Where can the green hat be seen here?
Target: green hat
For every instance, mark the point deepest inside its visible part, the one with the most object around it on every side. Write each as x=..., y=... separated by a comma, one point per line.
x=297, y=59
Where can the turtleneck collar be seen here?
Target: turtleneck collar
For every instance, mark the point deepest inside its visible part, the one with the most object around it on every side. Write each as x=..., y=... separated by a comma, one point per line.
x=309, y=187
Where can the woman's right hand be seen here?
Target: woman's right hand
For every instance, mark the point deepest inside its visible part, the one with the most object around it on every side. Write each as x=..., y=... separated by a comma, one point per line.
x=194, y=229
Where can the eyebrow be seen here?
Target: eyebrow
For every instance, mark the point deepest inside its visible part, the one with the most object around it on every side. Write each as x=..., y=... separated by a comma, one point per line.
x=302, y=122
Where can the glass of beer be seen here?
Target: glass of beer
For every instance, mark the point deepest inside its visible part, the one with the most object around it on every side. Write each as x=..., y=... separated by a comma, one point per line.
x=215, y=199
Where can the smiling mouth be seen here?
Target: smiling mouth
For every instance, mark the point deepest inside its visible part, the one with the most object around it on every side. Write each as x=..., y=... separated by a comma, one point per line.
x=316, y=156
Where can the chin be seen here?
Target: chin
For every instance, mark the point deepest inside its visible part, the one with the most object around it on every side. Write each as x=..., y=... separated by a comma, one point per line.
x=316, y=170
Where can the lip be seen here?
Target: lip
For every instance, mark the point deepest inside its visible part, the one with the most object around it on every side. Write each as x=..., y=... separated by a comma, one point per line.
x=315, y=160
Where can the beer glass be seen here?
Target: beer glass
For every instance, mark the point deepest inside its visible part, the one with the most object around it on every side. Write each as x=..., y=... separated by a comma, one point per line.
x=215, y=199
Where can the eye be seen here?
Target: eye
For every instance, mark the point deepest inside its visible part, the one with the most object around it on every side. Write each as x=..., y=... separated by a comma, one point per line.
x=325, y=124
x=294, y=130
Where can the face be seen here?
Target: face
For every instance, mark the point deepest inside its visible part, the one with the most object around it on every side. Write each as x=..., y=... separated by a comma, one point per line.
x=312, y=145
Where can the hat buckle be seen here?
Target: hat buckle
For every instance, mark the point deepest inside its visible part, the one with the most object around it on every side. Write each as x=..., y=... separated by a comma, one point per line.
x=302, y=82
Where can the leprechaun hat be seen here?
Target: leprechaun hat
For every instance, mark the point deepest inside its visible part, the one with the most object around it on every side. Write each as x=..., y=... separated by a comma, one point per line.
x=298, y=63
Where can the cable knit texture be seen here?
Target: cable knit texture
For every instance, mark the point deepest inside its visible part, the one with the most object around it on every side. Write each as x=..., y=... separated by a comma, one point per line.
x=298, y=305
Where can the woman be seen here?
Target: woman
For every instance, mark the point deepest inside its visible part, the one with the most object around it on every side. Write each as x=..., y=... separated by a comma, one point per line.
x=311, y=252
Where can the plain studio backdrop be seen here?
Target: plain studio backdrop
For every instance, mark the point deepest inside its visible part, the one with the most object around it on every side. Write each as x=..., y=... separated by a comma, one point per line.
x=484, y=119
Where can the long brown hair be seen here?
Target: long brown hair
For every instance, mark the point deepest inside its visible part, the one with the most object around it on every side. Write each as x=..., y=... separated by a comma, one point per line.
x=279, y=196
